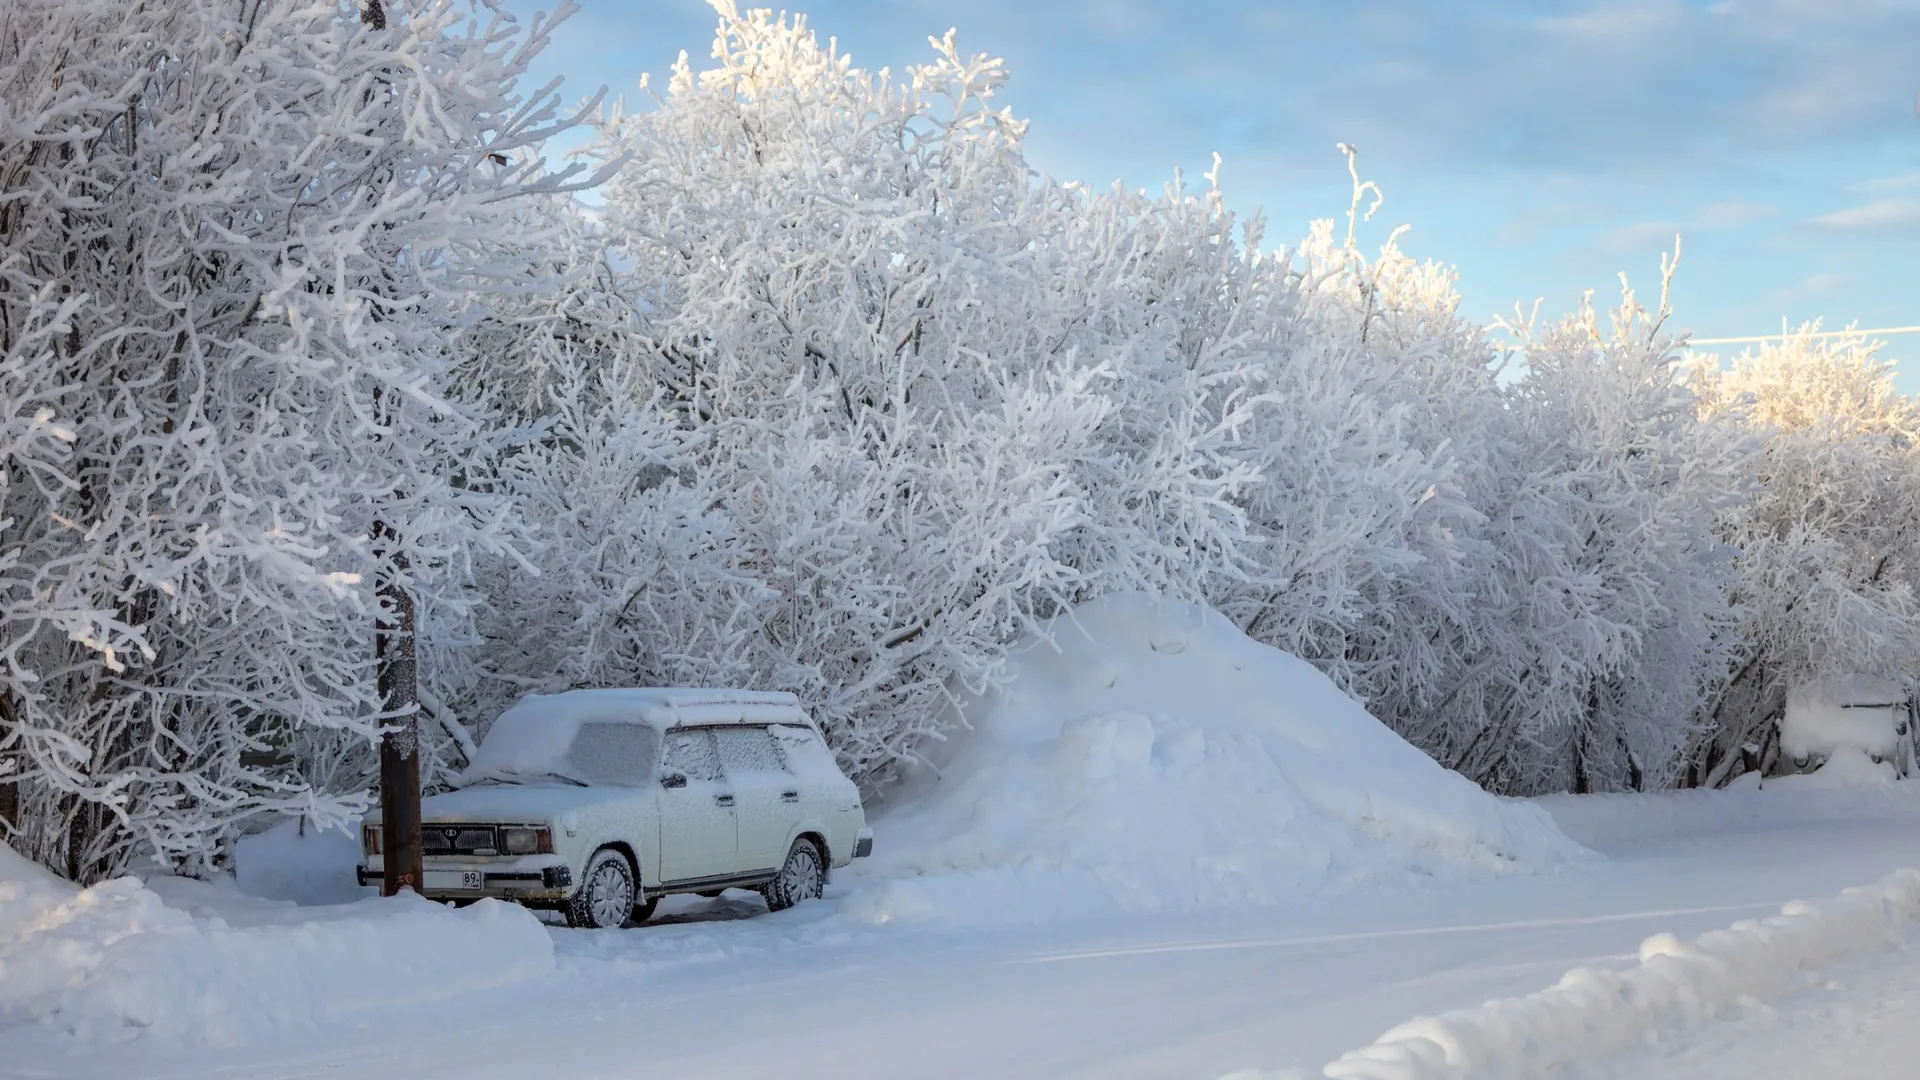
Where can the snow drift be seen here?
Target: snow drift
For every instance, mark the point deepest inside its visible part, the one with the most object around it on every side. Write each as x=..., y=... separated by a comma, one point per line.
x=1592, y=1014
x=1150, y=756
x=117, y=960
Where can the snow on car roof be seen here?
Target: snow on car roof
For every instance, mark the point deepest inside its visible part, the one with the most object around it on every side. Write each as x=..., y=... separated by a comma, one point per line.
x=535, y=733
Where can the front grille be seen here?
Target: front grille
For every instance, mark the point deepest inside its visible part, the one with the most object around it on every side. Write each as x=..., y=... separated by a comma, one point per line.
x=458, y=840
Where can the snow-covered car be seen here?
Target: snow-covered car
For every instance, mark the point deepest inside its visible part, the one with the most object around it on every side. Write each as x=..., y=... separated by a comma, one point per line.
x=599, y=802
x=1865, y=720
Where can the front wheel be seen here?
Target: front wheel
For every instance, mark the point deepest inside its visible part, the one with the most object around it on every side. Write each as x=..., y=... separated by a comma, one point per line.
x=801, y=878
x=605, y=899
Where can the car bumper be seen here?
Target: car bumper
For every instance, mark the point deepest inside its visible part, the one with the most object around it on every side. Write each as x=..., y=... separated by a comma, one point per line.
x=863, y=845
x=546, y=883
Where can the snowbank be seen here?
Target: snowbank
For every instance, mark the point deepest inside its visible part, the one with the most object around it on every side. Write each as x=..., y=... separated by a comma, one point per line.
x=1152, y=757
x=116, y=960
x=1591, y=1014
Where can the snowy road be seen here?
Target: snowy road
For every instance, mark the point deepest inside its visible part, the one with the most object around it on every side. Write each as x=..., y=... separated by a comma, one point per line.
x=813, y=993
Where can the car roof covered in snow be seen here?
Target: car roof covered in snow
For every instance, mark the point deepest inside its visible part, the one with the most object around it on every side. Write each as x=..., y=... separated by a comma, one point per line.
x=536, y=731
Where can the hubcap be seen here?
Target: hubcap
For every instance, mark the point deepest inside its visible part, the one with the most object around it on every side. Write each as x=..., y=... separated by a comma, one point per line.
x=612, y=898
x=802, y=874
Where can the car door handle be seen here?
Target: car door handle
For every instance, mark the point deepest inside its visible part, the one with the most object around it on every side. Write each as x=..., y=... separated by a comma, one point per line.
x=789, y=796
x=723, y=800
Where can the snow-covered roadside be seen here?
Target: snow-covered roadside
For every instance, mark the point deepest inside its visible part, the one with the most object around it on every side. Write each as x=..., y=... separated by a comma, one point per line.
x=720, y=990
x=192, y=962
x=1592, y=1014
x=1858, y=1024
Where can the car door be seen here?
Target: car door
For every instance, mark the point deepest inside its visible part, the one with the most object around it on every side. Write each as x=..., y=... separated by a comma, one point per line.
x=767, y=796
x=698, y=837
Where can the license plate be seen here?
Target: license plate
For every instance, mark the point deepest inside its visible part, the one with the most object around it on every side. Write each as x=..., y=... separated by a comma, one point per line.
x=453, y=879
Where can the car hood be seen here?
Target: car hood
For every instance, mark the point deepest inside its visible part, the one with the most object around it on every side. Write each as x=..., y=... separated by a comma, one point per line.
x=518, y=802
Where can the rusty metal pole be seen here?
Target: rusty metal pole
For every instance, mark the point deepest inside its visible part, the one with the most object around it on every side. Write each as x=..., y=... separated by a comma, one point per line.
x=399, y=701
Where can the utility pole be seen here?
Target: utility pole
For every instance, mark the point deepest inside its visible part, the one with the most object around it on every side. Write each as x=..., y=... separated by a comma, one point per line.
x=398, y=680
x=400, y=703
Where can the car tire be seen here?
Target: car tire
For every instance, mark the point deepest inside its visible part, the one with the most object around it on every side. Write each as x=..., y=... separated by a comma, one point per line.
x=802, y=877
x=644, y=911
x=607, y=896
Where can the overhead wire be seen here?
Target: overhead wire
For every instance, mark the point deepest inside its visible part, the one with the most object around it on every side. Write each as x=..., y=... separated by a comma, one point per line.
x=1877, y=332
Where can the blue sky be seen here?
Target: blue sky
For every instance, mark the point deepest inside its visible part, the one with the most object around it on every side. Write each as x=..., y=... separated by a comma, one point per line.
x=1541, y=146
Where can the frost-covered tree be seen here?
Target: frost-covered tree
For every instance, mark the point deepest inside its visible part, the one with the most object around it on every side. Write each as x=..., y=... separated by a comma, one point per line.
x=920, y=396
x=1616, y=577
x=237, y=234
x=1427, y=372
x=835, y=394
x=1829, y=545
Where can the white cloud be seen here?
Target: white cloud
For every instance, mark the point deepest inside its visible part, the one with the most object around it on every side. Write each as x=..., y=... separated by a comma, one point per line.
x=1643, y=236
x=1885, y=183
x=1882, y=214
x=1732, y=213
x=1811, y=287
x=1649, y=236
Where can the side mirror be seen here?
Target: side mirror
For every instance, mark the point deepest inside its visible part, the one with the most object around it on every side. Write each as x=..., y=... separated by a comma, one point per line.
x=673, y=779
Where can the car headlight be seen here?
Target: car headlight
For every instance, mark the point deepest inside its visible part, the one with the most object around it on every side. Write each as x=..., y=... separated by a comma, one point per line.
x=370, y=839
x=526, y=841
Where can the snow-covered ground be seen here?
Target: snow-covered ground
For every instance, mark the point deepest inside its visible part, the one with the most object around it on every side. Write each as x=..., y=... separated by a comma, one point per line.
x=1167, y=851
x=707, y=991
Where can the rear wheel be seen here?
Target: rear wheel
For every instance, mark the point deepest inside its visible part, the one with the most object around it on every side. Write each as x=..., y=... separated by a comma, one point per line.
x=606, y=896
x=801, y=877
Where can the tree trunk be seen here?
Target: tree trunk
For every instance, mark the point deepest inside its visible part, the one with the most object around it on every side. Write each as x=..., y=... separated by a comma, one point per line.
x=9, y=810
x=10, y=789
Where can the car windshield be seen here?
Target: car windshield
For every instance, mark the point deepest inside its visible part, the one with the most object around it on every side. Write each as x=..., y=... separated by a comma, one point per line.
x=617, y=754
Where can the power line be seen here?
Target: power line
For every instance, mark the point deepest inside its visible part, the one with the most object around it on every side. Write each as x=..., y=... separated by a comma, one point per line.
x=1881, y=332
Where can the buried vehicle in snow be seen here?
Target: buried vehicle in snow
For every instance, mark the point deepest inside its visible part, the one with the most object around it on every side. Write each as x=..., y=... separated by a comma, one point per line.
x=599, y=802
x=1858, y=722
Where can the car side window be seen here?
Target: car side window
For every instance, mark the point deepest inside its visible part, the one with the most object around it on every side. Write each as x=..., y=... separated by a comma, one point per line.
x=691, y=751
x=749, y=750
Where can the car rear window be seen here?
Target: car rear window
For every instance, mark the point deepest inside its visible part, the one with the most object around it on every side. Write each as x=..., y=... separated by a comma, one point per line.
x=806, y=754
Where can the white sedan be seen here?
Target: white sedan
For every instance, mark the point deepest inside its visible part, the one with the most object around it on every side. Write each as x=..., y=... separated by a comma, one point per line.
x=599, y=802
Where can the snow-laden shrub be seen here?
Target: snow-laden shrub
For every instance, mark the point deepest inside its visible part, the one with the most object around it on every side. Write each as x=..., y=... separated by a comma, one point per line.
x=924, y=398
x=889, y=410
x=1829, y=547
x=235, y=237
x=1616, y=578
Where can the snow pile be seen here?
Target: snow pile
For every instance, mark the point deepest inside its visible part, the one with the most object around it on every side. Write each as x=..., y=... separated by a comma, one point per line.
x=1592, y=1014
x=1153, y=757
x=115, y=961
